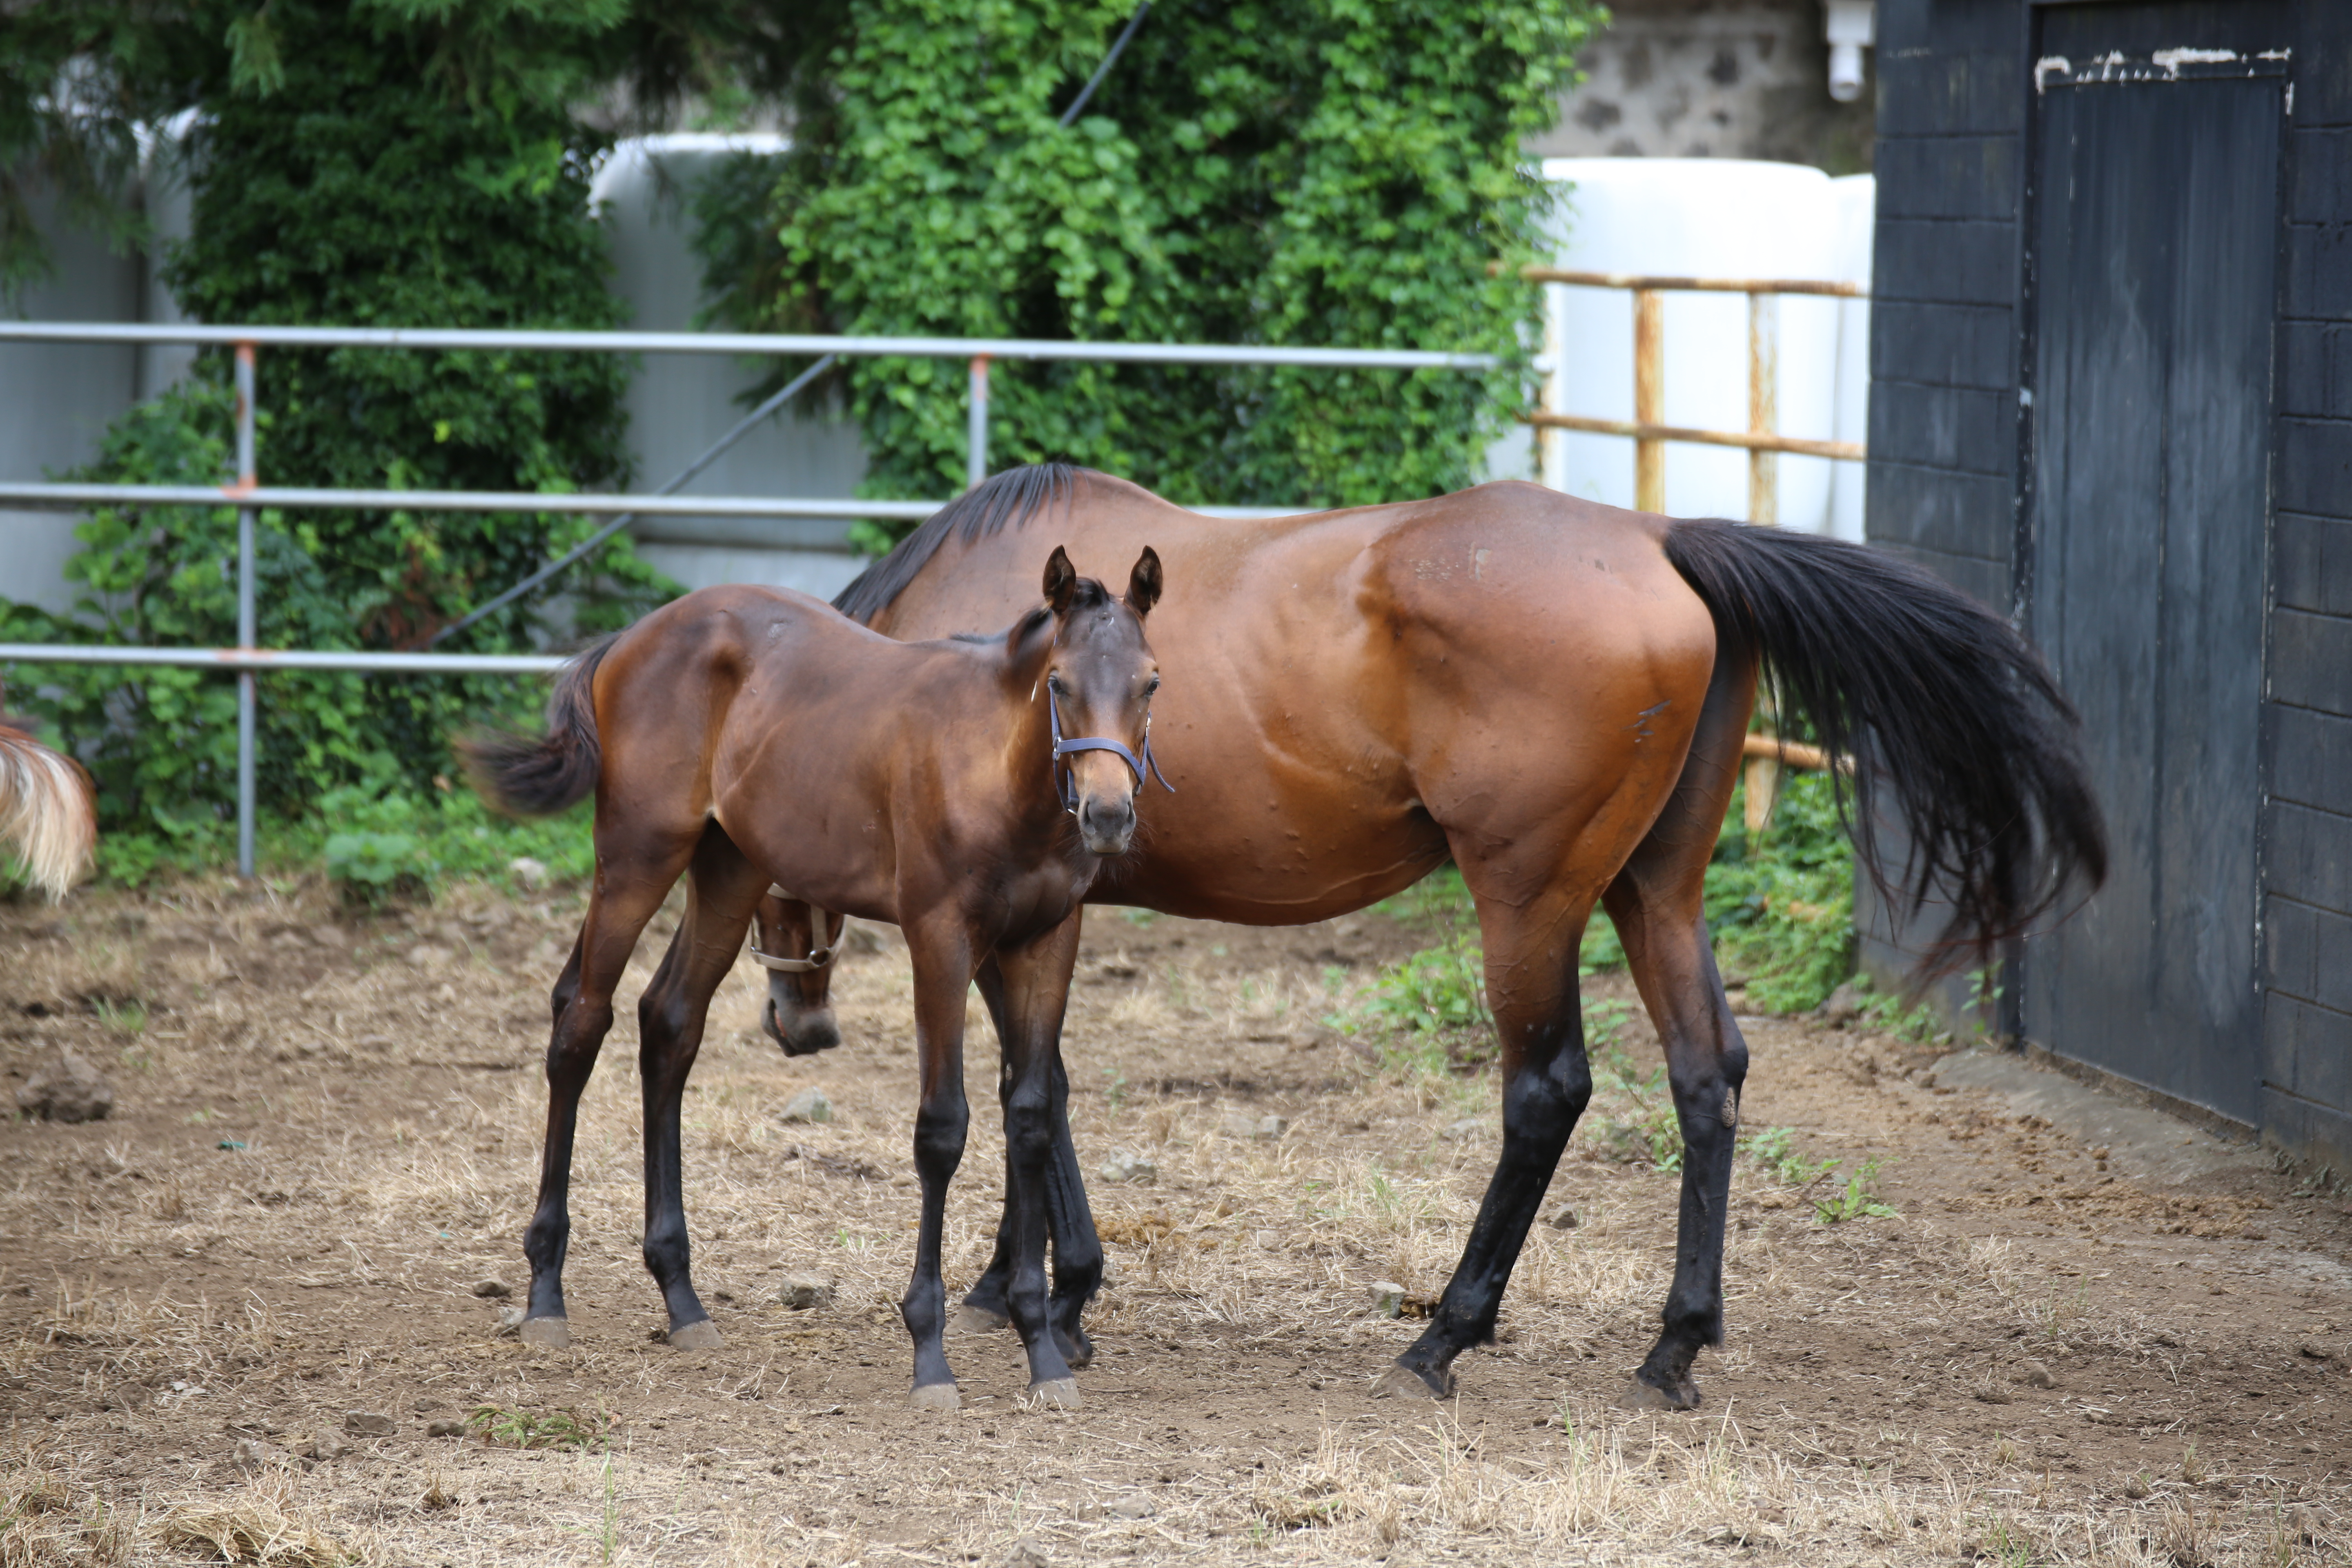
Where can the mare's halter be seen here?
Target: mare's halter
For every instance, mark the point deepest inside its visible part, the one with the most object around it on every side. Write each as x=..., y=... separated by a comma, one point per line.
x=818, y=957
x=1067, y=784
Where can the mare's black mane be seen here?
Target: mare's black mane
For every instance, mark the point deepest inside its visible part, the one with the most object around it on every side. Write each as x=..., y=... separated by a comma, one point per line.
x=1011, y=497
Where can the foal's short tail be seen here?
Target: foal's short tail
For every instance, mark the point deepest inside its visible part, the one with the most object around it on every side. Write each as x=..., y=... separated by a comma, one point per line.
x=48, y=815
x=538, y=778
x=1942, y=705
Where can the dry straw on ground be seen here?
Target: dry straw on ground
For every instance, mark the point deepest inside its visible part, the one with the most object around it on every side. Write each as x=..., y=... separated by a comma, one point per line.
x=328, y=1134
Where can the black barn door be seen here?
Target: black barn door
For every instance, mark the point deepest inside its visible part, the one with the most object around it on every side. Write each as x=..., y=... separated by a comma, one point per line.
x=2152, y=261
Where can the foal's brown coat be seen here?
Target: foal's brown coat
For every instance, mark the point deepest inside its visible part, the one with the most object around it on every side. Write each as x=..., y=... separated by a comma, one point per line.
x=742, y=736
x=1554, y=694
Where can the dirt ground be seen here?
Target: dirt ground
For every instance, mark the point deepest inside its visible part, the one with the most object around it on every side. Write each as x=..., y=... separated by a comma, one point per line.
x=327, y=1135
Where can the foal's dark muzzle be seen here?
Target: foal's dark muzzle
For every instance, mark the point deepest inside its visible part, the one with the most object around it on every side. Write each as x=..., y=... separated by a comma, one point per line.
x=802, y=1031
x=1107, y=825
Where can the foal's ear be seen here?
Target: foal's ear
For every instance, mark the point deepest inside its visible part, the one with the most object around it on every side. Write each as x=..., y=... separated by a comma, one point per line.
x=1061, y=580
x=1143, y=582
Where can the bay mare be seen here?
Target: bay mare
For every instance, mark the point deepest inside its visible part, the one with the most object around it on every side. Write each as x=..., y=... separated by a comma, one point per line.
x=967, y=790
x=1554, y=695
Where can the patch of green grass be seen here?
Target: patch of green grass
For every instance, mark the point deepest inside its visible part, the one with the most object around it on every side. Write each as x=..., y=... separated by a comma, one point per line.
x=1773, y=1152
x=1859, y=1200
x=511, y=1426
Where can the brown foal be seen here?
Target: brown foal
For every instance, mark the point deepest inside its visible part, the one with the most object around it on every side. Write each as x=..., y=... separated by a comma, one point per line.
x=744, y=737
x=1554, y=695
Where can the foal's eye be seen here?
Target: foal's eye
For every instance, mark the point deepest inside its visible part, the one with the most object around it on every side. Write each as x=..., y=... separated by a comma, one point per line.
x=1151, y=687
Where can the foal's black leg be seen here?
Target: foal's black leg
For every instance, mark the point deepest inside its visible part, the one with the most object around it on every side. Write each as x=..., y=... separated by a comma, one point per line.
x=943, y=970
x=629, y=888
x=1547, y=1083
x=1036, y=983
x=1070, y=1225
x=719, y=896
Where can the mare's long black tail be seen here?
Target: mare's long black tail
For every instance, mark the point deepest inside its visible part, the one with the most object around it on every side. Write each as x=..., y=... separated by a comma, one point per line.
x=1962, y=739
x=527, y=777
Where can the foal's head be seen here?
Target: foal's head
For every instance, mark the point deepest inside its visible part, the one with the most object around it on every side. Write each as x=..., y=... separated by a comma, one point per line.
x=1099, y=680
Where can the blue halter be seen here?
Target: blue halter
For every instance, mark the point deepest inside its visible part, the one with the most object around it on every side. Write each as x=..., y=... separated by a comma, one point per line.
x=1147, y=767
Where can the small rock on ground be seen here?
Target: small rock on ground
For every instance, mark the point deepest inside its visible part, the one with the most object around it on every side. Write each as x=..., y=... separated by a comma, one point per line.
x=1843, y=1006
x=1126, y=1167
x=250, y=1453
x=1561, y=1217
x=805, y=1292
x=427, y=956
x=1258, y=1129
x=369, y=1424
x=1027, y=1554
x=529, y=873
x=1469, y=1127
x=808, y=1105
x=1387, y=1298
x=2038, y=1375
x=68, y=1089
x=1133, y=1505
x=446, y=1427
x=490, y=1289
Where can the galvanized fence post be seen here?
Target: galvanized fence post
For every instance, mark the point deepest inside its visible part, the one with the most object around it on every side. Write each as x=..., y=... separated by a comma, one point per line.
x=976, y=456
x=247, y=480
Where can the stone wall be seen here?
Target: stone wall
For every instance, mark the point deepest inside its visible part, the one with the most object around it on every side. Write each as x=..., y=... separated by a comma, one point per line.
x=1713, y=78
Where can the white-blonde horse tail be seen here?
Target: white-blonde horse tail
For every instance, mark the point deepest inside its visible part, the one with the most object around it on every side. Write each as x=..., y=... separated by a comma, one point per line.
x=48, y=812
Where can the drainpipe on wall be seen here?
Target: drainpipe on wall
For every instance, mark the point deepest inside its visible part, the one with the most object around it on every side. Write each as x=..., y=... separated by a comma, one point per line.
x=1850, y=27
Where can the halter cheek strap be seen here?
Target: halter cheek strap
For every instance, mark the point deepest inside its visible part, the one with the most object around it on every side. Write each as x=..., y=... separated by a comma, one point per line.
x=1147, y=767
x=818, y=957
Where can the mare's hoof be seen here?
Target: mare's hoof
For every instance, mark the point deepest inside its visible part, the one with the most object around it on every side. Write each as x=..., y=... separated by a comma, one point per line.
x=935, y=1397
x=1053, y=1394
x=1640, y=1395
x=699, y=1336
x=547, y=1333
x=975, y=1320
x=1401, y=1382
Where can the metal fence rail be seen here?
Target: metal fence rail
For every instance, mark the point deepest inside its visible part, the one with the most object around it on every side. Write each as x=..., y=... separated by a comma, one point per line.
x=249, y=496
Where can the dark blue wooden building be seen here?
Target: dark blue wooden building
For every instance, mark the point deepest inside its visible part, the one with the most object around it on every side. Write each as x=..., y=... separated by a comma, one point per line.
x=2112, y=395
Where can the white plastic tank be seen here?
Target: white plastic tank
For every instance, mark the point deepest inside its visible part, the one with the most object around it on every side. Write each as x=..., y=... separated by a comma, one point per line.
x=1857, y=214
x=57, y=399
x=679, y=404
x=1715, y=217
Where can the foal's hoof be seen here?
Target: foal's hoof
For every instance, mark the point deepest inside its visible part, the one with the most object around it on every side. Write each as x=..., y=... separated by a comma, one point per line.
x=697, y=1336
x=1640, y=1395
x=1079, y=1351
x=547, y=1333
x=935, y=1397
x=1402, y=1382
x=1053, y=1394
x=974, y=1319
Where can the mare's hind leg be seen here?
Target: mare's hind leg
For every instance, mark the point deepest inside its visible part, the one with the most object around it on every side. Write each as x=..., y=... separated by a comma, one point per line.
x=1655, y=902
x=631, y=882
x=719, y=895
x=1532, y=970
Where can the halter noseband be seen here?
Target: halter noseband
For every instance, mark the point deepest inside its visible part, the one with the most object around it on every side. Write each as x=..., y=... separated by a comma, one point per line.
x=1066, y=784
x=818, y=957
